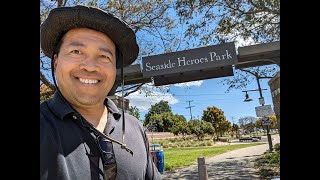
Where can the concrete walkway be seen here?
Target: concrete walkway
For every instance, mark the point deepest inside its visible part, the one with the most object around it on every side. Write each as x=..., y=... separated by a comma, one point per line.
x=236, y=164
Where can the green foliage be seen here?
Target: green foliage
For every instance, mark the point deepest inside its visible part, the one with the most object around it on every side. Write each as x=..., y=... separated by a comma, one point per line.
x=269, y=164
x=256, y=20
x=236, y=21
x=265, y=173
x=158, y=108
x=276, y=147
x=225, y=126
x=180, y=126
x=234, y=129
x=216, y=117
x=243, y=77
x=273, y=158
x=200, y=128
x=162, y=121
x=273, y=122
x=45, y=93
x=134, y=111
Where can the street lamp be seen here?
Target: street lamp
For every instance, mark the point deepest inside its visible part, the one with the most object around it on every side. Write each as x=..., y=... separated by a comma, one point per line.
x=247, y=98
x=261, y=101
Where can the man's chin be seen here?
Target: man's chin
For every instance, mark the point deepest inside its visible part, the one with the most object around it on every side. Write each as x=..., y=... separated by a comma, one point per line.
x=87, y=100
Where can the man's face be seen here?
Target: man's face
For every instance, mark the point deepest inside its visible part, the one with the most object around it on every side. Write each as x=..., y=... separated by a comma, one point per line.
x=85, y=66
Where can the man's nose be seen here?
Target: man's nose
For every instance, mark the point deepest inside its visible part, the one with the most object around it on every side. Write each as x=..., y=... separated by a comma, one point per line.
x=89, y=64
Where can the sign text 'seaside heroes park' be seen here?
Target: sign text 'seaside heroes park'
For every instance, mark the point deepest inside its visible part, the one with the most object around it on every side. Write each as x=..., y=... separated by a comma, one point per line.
x=189, y=60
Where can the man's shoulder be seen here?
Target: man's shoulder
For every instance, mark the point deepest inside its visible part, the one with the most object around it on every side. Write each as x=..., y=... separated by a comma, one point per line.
x=47, y=118
x=133, y=120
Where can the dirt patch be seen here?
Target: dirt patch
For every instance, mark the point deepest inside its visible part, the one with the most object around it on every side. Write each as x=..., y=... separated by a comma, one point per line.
x=162, y=135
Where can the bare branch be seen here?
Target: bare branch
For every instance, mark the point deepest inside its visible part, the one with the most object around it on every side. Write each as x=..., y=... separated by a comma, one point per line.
x=247, y=71
x=46, y=81
x=132, y=87
x=265, y=8
x=60, y=2
x=137, y=88
x=65, y=2
x=46, y=94
x=265, y=77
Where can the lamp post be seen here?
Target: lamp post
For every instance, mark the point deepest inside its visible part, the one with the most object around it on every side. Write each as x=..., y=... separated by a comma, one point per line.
x=261, y=101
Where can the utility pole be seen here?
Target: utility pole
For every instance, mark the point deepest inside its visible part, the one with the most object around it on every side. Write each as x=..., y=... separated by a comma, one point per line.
x=190, y=109
x=232, y=118
x=261, y=101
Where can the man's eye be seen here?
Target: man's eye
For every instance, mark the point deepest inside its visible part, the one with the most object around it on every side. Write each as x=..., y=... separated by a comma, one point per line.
x=76, y=52
x=105, y=58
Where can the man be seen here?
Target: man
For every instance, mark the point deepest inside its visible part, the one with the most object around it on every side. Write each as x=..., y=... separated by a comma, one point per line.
x=80, y=128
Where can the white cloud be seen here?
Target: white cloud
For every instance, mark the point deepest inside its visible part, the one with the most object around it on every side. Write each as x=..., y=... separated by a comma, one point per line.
x=143, y=102
x=240, y=42
x=188, y=84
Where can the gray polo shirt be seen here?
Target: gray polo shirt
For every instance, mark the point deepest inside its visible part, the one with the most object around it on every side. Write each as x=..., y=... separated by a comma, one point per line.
x=68, y=151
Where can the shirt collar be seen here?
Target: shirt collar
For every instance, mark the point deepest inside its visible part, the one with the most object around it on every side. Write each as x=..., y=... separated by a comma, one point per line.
x=61, y=108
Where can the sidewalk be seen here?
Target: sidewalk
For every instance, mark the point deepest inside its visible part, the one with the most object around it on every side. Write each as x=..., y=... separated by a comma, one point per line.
x=237, y=164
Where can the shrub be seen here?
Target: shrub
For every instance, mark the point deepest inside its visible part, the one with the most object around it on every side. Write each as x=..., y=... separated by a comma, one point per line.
x=209, y=143
x=264, y=173
x=165, y=146
x=224, y=139
x=277, y=147
x=273, y=158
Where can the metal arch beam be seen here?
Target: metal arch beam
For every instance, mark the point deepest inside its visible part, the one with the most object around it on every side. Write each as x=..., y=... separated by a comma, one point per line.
x=248, y=56
x=258, y=55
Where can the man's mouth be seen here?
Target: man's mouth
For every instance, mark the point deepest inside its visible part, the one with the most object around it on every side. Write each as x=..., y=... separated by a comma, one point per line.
x=89, y=81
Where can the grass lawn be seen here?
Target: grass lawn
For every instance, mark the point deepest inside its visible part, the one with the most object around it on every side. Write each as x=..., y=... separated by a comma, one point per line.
x=175, y=157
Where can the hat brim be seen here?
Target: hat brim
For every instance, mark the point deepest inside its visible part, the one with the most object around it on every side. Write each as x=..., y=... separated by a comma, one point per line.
x=61, y=20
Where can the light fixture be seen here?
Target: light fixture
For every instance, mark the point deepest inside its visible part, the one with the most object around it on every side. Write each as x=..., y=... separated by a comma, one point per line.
x=247, y=98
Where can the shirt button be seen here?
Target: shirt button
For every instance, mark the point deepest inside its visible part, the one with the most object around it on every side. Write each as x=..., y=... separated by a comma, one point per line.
x=74, y=117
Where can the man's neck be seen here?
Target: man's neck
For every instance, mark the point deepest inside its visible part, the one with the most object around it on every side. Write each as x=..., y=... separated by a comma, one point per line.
x=96, y=116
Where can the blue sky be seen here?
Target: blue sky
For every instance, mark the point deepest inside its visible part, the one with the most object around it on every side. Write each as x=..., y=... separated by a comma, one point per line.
x=203, y=94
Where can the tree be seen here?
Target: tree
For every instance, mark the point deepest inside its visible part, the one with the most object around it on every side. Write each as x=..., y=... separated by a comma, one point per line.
x=242, y=78
x=273, y=122
x=234, y=129
x=247, y=123
x=157, y=108
x=225, y=127
x=46, y=93
x=257, y=21
x=134, y=111
x=227, y=20
x=180, y=126
x=163, y=121
x=216, y=117
x=200, y=128
x=148, y=18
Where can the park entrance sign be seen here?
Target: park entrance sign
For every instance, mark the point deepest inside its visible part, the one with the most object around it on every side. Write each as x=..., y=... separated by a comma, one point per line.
x=193, y=60
x=198, y=64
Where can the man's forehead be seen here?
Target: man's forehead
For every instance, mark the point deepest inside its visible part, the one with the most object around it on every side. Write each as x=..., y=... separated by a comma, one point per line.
x=73, y=37
x=76, y=32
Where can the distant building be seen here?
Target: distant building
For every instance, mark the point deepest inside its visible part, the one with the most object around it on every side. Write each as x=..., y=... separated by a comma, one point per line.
x=274, y=84
x=118, y=101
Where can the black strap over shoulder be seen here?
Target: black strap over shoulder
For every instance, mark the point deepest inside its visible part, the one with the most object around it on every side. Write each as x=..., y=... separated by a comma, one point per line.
x=148, y=159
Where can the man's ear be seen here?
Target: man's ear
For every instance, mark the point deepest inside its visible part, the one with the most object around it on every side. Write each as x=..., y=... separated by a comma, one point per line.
x=55, y=62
